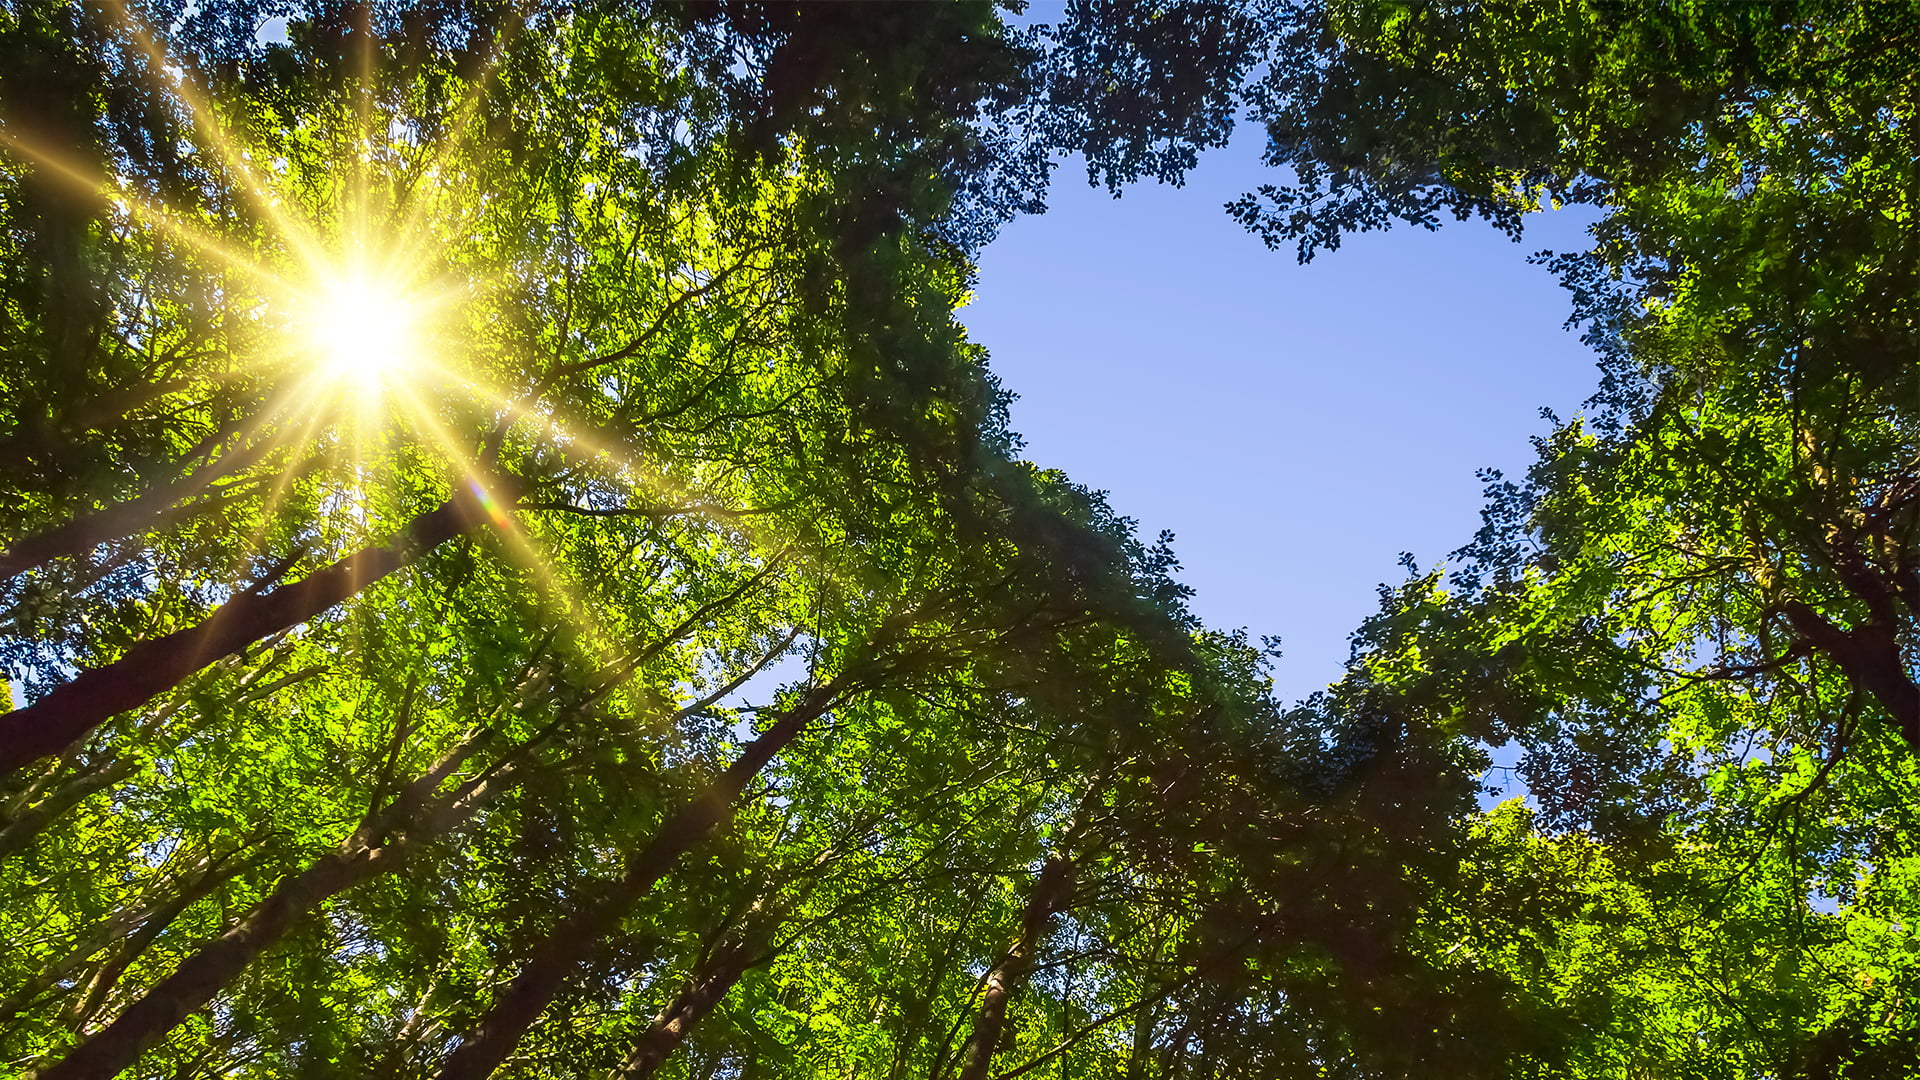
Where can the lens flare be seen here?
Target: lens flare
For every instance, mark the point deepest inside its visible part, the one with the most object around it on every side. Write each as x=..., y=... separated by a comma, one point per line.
x=369, y=346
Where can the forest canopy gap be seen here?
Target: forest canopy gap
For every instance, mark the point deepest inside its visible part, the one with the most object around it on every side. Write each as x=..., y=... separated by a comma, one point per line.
x=512, y=568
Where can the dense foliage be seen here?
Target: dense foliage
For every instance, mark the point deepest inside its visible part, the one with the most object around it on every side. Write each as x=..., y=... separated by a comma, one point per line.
x=665, y=663
x=512, y=567
x=1699, y=615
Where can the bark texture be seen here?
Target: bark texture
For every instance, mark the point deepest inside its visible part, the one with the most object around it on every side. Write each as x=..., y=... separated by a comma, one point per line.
x=489, y=1042
x=195, y=982
x=1051, y=890
x=1870, y=656
x=706, y=987
x=205, y=973
x=157, y=665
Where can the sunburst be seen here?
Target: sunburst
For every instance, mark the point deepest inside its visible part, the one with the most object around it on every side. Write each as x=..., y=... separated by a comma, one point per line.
x=363, y=332
x=359, y=313
x=364, y=318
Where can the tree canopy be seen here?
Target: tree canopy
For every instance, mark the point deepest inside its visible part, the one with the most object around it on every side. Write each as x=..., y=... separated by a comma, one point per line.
x=514, y=569
x=1696, y=613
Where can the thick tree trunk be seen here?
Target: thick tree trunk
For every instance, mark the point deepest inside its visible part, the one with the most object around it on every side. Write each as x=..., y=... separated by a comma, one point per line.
x=30, y=818
x=706, y=987
x=207, y=972
x=157, y=665
x=216, y=964
x=1869, y=655
x=1051, y=891
x=156, y=507
x=489, y=1042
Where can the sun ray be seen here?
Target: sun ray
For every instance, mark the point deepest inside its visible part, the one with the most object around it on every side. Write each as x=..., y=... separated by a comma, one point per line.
x=519, y=544
x=206, y=121
x=360, y=365
x=155, y=214
x=636, y=475
x=270, y=504
x=552, y=431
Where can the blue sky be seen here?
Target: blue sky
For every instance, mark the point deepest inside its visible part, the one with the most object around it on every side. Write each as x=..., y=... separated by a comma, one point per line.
x=1297, y=426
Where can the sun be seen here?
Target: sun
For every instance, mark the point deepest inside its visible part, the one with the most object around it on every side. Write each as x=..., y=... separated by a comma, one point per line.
x=362, y=331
